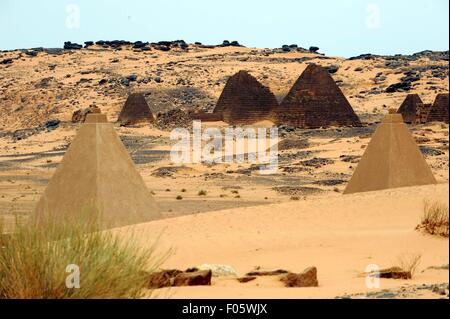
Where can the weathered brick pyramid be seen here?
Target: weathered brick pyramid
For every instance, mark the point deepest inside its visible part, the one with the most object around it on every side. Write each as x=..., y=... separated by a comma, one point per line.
x=316, y=101
x=408, y=109
x=392, y=159
x=97, y=181
x=422, y=113
x=245, y=101
x=439, y=110
x=135, y=111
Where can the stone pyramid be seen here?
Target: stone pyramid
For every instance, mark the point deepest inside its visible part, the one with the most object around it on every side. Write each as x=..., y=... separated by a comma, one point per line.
x=97, y=176
x=245, y=101
x=316, y=101
x=439, y=110
x=135, y=111
x=408, y=109
x=392, y=159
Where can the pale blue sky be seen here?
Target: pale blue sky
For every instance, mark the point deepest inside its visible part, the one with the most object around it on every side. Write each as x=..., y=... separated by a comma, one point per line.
x=344, y=28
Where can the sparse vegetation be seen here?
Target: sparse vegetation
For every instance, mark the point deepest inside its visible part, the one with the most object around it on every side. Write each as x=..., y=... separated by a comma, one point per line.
x=184, y=190
x=435, y=219
x=33, y=263
x=202, y=193
x=295, y=198
x=179, y=197
x=409, y=262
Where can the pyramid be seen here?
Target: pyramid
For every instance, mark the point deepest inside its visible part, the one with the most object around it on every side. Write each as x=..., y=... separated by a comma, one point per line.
x=316, y=101
x=97, y=176
x=422, y=113
x=135, y=111
x=245, y=101
x=439, y=110
x=392, y=159
x=408, y=109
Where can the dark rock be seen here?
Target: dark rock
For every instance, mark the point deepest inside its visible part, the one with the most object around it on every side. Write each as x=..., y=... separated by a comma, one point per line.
x=52, y=124
x=332, y=69
x=246, y=279
x=79, y=116
x=313, y=49
x=162, y=279
x=72, y=46
x=399, y=87
x=132, y=77
x=200, y=278
x=317, y=162
x=308, y=278
x=6, y=61
x=393, y=273
x=286, y=48
x=139, y=44
x=267, y=273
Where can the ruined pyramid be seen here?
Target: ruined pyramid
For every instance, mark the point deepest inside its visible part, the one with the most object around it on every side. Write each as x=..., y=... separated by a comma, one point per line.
x=439, y=109
x=135, y=111
x=409, y=108
x=97, y=178
x=245, y=101
x=392, y=159
x=316, y=101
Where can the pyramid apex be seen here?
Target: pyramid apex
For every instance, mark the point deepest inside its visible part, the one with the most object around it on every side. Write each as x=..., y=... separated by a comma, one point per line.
x=393, y=118
x=93, y=118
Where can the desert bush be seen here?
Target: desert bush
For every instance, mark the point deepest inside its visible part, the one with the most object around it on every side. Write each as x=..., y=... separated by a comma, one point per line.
x=435, y=218
x=409, y=262
x=34, y=260
x=202, y=193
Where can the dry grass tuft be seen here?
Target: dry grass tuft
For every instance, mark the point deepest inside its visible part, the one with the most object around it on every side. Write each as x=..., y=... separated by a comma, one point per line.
x=409, y=262
x=435, y=219
x=34, y=261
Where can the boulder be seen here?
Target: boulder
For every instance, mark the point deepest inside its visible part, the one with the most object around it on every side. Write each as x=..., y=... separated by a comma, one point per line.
x=79, y=116
x=308, y=278
x=218, y=270
x=162, y=279
x=72, y=46
x=52, y=124
x=197, y=278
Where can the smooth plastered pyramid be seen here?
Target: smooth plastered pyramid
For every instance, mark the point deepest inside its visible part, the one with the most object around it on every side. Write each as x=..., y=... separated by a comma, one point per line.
x=97, y=177
x=392, y=159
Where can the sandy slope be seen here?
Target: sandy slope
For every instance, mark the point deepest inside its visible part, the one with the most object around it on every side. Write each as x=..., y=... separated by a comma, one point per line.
x=340, y=235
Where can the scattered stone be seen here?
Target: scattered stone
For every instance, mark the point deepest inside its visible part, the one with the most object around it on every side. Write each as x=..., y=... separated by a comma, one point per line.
x=246, y=279
x=266, y=273
x=218, y=270
x=308, y=278
x=79, y=116
x=198, y=278
x=72, y=46
x=52, y=124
